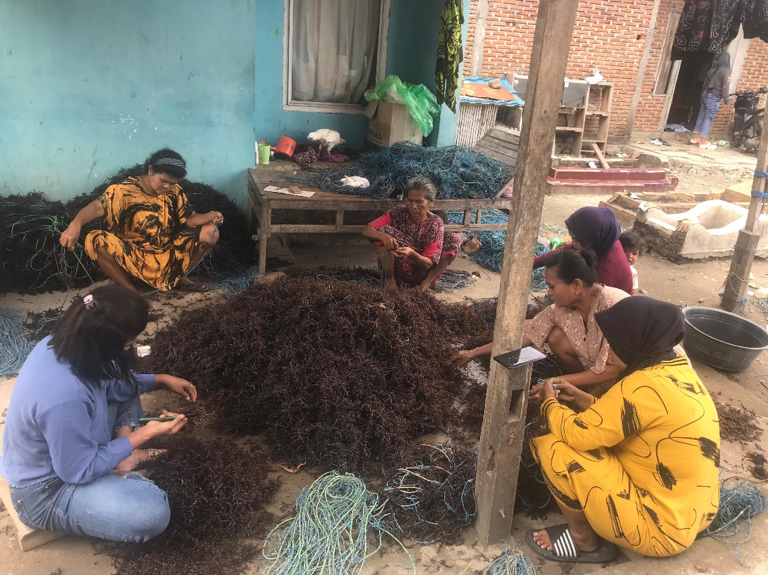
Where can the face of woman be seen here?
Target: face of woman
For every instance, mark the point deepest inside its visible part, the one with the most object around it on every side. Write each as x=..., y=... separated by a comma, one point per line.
x=562, y=294
x=576, y=243
x=418, y=205
x=614, y=359
x=161, y=183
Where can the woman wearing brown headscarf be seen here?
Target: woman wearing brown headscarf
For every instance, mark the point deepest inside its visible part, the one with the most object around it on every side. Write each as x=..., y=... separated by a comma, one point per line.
x=637, y=468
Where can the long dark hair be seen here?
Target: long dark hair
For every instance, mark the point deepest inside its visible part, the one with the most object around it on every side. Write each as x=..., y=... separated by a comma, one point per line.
x=92, y=334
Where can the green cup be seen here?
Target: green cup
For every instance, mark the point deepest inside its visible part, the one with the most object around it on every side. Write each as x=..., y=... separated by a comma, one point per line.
x=264, y=151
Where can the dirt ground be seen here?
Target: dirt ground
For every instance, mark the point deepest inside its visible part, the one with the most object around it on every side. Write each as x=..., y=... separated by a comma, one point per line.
x=689, y=284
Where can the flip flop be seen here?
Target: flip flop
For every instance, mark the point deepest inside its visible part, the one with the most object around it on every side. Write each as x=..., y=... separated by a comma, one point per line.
x=565, y=549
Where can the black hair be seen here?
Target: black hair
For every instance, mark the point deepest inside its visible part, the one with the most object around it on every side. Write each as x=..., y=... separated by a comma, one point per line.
x=574, y=265
x=631, y=242
x=172, y=169
x=92, y=334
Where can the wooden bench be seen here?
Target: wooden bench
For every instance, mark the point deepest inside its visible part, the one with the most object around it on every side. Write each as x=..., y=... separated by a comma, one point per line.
x=261, y=205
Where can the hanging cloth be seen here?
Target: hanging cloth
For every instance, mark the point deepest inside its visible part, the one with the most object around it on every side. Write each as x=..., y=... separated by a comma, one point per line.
x=706, y=28
x=756, y=19
x=450, y=53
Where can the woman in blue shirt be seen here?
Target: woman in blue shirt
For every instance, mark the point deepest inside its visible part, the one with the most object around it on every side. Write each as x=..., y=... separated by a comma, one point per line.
x=72, y=444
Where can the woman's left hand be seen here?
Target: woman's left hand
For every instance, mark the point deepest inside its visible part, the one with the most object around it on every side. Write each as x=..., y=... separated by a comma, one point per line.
x=403, y=252
x=178, y=385
x=542, y=391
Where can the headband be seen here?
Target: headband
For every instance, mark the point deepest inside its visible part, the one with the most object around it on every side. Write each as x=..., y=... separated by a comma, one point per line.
x=171, y=162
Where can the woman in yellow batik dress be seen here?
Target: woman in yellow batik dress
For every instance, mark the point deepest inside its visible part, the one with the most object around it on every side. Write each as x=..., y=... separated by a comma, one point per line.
x=637, y=468
x=153, y=233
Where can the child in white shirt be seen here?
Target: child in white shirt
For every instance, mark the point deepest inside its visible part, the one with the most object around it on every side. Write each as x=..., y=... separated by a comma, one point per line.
x=634, y=247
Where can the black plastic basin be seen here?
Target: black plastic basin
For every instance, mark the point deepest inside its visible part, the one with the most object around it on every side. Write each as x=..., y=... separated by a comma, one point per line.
x=723, y=340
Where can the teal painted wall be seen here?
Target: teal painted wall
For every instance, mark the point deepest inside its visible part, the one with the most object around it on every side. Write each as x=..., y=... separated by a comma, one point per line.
x=411, y=53
x=87, y=87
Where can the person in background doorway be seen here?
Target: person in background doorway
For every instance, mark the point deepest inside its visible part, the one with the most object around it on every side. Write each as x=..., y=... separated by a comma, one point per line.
x=634, y=247
x=412, y=245
x=153, y=233
x=716, y=88
x=72, y=444
x=597, y=229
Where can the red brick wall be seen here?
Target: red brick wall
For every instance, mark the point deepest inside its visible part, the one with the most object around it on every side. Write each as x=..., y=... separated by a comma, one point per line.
x=754, y=75
x=608, y=35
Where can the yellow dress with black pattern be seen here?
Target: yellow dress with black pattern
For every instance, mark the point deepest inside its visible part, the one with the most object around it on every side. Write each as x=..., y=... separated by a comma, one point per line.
x=642, y=462
x=147, y=235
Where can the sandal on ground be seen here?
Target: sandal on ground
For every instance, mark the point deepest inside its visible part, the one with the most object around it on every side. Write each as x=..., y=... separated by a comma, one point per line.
x=194, y=286
x=564, y=548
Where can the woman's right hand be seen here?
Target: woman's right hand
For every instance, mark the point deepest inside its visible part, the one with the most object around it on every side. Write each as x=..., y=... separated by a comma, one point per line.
x=70, y=236
x=463, y=357
x=166, y=427
x=388, y=242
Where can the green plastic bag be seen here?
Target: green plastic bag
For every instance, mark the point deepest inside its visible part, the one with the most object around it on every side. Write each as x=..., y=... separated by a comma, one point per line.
x=421, y=103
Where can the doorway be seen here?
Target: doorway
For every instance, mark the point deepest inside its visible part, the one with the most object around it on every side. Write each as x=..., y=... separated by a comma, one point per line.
x=686, y=99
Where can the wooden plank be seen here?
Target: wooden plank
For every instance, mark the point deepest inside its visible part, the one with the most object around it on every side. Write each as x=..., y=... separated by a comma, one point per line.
x=600, y=156
x=339, y=219
x=506, y=400
x=743, y=255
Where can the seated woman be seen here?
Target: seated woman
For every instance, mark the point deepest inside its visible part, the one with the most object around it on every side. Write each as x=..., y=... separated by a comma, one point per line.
x=153, y=233
x=638, y=467
x=412, y=245
x=71, y=445
x=598, y=229
x=568, y=325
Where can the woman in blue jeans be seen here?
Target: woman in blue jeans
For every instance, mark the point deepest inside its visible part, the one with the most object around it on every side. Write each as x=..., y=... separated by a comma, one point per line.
x=716, y=88
x=72, y=445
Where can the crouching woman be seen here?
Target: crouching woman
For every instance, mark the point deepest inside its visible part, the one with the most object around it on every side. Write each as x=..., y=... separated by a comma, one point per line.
x=637, y=468
x=72, y=444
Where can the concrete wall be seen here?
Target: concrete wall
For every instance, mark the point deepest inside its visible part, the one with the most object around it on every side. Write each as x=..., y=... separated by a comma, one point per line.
x=87, y=87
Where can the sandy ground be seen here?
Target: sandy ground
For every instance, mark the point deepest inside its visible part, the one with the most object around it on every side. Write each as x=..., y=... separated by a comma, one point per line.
x=692, y=284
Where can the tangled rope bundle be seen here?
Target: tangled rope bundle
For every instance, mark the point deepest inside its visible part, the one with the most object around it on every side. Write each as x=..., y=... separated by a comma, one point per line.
x=433, y=498
x=511, y=562
x=330, y=532
x=458, y=172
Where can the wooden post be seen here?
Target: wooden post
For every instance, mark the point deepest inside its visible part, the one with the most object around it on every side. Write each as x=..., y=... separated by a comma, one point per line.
x=507, y=398
x=746, y=244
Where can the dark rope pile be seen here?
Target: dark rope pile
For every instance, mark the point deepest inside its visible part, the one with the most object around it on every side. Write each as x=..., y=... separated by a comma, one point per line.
x=336, y=374
x=34, y=262
x=451, y=280
x=432, y=498
x=458, y=172
x=216, y=492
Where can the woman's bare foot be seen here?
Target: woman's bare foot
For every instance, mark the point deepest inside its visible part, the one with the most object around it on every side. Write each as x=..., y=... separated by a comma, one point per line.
x=585, y=542
x=136, y=458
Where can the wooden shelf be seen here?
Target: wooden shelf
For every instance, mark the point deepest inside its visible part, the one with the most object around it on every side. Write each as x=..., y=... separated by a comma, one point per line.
x=597, y=113
x=585, y=141
x=576, y=129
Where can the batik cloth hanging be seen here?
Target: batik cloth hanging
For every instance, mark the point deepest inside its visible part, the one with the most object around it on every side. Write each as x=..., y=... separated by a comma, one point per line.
x=450, y=53
x=706, y=28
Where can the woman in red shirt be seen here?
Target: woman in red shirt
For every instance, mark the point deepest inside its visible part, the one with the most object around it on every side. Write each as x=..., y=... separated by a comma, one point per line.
x=598, y=229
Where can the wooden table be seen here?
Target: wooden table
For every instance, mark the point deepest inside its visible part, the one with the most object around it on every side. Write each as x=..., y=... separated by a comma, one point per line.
x=261, y=205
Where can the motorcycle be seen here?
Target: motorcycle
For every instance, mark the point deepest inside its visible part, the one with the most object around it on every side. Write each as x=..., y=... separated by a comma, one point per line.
x=748, y=119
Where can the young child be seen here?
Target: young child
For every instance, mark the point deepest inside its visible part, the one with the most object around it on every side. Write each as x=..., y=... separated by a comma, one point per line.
x=634, y=247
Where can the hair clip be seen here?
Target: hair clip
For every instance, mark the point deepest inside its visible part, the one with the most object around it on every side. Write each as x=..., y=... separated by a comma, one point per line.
x=88, y=301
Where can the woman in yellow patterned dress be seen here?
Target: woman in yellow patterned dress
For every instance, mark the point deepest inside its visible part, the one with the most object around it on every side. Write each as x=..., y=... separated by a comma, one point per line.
x=637, y=468
x=153, y=233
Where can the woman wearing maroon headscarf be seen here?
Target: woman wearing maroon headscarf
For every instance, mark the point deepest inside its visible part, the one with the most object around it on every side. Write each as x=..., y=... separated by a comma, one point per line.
x=598, y=229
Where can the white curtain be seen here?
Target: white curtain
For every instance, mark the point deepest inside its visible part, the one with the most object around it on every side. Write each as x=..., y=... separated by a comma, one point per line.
x=334, y=46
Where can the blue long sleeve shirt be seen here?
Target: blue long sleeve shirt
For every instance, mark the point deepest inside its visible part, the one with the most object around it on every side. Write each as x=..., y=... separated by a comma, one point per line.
x=57, y=425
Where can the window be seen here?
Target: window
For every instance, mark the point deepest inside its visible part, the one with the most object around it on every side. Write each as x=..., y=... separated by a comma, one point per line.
x=334, y=51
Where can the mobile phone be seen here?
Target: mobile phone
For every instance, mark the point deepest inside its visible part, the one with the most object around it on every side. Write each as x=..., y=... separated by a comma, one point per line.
x=520, y=357
x=162, y=419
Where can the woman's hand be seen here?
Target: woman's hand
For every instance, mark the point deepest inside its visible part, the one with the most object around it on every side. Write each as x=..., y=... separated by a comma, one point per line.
x=178, y=385
x=463, y=357
x=70, y=236
x=215, y=218
x=388, y=241
x=404, y=252
x=541, y=391
x=171, y=427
